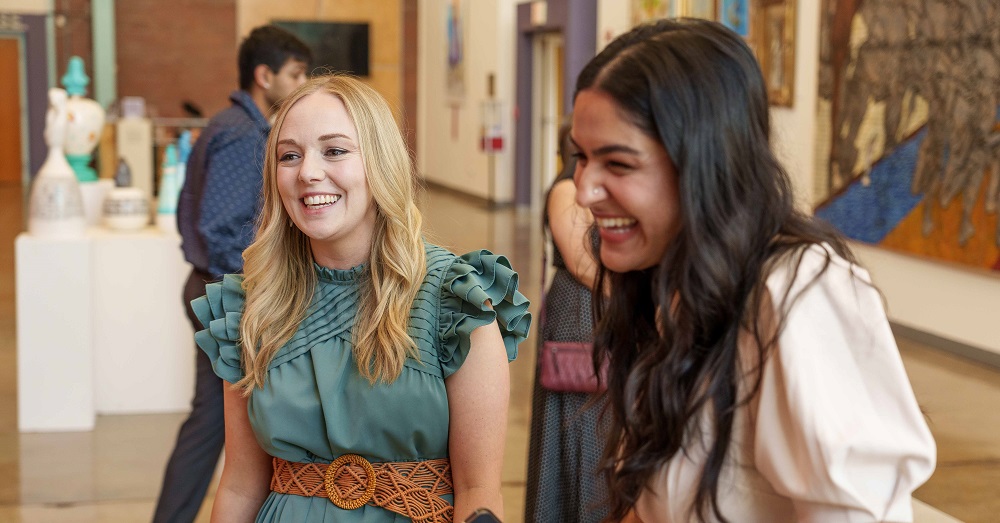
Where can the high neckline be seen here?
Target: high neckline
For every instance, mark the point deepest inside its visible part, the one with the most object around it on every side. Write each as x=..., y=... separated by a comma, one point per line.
x=339, y=275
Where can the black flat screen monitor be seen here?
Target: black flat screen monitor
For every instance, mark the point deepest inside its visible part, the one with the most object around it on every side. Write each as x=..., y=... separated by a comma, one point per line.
x=337, y=47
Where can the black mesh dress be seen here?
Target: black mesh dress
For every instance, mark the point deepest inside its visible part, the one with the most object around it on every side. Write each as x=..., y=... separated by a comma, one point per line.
x=566, y=438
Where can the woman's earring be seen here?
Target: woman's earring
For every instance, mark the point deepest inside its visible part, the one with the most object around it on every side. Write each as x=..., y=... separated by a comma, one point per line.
x=290, y=223
x=595, y=190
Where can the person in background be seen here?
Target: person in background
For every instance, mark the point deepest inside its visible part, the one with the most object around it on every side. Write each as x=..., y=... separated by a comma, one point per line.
x=752, y=372
x=567, y=432
x=215, y=216
x=365, y=370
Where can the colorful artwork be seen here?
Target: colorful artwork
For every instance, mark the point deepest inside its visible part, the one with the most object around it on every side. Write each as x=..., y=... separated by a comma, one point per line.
x=908, y=143
x=701, y=9
x=456, y=52
x=646, y=10
x=735, y=14
x=773, y=39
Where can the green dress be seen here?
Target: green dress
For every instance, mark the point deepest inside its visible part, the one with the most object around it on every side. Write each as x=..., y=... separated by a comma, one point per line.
x=315, y=406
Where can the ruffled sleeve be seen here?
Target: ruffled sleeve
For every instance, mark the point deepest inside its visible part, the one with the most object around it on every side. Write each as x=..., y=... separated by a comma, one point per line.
x=838, y=429
x=220, y=311
x=471, y=281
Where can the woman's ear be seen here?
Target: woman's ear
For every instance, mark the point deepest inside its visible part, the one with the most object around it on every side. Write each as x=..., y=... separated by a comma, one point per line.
x=263, y=76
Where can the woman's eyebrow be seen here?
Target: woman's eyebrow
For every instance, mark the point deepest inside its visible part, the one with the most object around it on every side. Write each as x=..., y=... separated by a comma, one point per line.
x=331, y=136
x=608, y=149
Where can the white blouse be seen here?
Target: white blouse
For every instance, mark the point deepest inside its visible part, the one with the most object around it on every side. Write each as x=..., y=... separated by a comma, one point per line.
x=834, y=433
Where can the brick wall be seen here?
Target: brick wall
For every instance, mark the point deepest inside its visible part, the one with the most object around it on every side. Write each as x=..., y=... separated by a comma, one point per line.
x=169, y=52
x=73, y=38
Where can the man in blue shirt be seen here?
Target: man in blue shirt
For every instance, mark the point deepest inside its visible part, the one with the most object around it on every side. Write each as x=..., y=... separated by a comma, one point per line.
x=215, y=216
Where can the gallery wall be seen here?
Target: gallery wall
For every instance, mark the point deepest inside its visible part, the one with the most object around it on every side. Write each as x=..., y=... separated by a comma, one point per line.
x=448, y=125
x=947, y=301
x=385, y=32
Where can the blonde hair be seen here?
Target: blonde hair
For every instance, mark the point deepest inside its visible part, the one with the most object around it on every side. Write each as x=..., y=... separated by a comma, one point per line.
x=279, y=278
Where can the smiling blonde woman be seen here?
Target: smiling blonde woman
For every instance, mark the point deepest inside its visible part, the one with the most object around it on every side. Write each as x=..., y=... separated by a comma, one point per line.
x=367, y=370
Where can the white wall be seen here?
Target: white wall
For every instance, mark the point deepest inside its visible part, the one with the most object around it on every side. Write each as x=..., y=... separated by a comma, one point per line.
x=614, y=17
x=26, y=6
x=945, y=300
x=489, y=48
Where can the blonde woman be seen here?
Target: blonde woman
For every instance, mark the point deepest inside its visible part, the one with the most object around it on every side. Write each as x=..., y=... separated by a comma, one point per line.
x=367, y=370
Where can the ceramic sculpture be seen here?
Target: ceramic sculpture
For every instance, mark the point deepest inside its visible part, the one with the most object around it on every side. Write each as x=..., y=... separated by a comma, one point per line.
x=86, y=120
x=55, y=206
x=166, y=207
x=184, y=145
x=126, y=208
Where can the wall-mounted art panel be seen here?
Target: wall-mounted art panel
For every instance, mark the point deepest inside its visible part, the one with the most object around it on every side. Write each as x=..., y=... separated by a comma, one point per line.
x=908, y=138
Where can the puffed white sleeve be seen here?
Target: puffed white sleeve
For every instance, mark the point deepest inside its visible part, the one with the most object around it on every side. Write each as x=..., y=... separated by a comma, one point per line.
x=838, y=429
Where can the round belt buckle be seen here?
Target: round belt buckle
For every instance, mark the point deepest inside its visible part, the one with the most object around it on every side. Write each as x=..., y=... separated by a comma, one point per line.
x=331, y=478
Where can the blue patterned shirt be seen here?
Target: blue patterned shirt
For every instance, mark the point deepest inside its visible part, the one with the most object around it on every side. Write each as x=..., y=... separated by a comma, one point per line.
x=221, y=195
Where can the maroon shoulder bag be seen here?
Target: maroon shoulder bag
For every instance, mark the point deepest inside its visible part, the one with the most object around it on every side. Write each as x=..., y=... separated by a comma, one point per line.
x=567, y=366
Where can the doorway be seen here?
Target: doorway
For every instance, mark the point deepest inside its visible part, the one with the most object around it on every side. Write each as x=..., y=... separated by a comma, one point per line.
x=547, y=99
x=11, y=121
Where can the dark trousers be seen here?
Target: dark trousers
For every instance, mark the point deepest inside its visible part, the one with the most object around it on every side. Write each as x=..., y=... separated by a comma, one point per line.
x=202, y=436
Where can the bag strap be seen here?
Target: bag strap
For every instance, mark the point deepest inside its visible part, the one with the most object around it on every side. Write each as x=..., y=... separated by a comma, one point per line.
x=545, y=267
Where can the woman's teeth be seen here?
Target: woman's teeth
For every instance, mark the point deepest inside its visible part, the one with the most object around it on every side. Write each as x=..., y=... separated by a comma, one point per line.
x=320, y=200
x=614, y=223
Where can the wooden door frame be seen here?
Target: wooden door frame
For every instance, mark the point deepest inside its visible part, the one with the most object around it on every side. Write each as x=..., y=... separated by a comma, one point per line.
x=22, y=103
x=35, y=81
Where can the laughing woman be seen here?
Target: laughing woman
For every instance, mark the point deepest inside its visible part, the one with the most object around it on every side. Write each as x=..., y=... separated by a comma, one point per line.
x=367, y=370
x=753, y=375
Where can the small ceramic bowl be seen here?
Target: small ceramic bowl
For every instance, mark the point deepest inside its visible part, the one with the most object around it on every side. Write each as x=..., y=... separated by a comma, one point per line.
x=126, y=209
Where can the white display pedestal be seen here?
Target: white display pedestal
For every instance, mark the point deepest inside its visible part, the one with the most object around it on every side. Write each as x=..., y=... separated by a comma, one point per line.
x=55, y=357
x=101, y=328
x=143, y=342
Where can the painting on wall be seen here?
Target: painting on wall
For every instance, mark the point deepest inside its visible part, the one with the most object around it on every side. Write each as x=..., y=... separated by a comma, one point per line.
x=773, y=39
x=456, y=52
x=735, y=14
x=908, y=139
x=701, y=9
x=646, y=10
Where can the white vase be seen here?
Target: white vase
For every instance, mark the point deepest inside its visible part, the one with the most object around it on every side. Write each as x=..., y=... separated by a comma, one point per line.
x=93, y=198
x=86, y=121
x=56, y=205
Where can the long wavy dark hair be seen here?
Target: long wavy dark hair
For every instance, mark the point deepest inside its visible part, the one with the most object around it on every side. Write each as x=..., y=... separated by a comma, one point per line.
x=671, y=333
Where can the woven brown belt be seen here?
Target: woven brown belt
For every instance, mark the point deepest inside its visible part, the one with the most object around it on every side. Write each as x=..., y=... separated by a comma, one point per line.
x=410, y=488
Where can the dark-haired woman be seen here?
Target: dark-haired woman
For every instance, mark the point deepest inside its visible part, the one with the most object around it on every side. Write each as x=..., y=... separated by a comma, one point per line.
x=567, y=430
x=753, y=375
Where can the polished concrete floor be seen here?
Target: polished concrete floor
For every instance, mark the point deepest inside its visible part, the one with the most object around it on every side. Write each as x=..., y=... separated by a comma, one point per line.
x=113, y=473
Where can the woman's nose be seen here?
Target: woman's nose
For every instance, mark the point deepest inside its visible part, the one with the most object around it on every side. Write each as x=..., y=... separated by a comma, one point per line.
x=311, y=169
x=588, y=187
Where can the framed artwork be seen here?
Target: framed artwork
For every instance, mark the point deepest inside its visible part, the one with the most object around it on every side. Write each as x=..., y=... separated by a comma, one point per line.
x=773, y=39
x=908, y=115
x=701, y=9
x=646, y=10
x=454, y=22
x=735, y=14
x=767, y=25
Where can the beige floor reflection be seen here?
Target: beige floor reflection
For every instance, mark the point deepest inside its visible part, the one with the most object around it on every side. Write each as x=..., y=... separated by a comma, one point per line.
x=113, y=474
